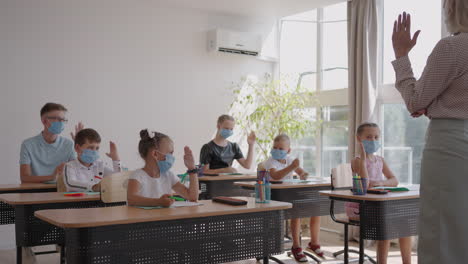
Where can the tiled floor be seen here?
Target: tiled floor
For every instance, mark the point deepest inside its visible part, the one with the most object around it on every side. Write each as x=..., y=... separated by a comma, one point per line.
x=331, y=242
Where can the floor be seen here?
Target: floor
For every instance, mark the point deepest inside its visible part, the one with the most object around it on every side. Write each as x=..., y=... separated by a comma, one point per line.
x=331, y=242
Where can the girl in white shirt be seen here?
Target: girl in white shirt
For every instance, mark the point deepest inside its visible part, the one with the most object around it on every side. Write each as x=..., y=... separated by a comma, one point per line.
x=153, y=184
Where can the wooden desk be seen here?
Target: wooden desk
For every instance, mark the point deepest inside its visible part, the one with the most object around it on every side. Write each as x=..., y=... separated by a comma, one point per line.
x=210, y=233
x=7, y=212
x=383, y=217
x=304, y=196
x=223, y=185
x=29, y=230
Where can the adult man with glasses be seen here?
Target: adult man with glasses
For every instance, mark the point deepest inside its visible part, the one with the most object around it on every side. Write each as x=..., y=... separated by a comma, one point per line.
x=42, y=157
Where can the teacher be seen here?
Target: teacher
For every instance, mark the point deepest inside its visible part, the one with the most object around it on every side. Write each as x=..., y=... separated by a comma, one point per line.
x=442, y=94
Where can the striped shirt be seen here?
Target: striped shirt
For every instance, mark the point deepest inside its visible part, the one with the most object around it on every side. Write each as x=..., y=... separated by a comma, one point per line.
x=442, y=89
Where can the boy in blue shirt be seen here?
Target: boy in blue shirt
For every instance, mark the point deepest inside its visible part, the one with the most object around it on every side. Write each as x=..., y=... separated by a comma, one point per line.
x=42, y=157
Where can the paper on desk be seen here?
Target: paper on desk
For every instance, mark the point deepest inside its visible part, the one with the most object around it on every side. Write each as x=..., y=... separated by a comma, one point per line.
x=174, y=205
x=296, y=181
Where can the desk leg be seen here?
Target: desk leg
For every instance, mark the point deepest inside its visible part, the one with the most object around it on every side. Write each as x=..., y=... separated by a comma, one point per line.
x=62, y=254
x=361, y=245
x=19, y=255
x=266, y=260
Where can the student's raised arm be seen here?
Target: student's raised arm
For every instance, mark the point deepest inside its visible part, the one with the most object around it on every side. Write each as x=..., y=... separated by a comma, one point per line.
x=358, y=165
x=190, y=193
x=247, y=162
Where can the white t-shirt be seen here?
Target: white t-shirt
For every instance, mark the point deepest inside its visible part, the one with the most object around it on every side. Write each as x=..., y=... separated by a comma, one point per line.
x=154, y=187
x=271, y=163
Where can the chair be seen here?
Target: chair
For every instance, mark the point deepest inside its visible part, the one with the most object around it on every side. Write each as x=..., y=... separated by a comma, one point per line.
x=114, y=187
x=341, y=179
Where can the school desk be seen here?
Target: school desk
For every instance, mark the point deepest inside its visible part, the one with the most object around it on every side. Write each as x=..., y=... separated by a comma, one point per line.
x=305, y=198
x=208, y=233
x=7, y=212
x=383, y=217
x=30, y=231
x=223, y=185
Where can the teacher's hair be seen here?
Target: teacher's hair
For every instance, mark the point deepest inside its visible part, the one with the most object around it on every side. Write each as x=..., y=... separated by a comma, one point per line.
x=456, y=15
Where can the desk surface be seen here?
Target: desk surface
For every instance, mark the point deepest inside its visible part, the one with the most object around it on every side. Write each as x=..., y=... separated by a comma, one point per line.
x=288, y=185
x=92, y=217
x=227, y=177
x=26, y=186
x=46, y=197
x=347, y=194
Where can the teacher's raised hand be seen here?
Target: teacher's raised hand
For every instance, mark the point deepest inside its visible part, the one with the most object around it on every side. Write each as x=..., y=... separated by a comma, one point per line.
x=401, y=38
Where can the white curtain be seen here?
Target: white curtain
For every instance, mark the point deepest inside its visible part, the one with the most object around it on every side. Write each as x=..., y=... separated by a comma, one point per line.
x=362, y=53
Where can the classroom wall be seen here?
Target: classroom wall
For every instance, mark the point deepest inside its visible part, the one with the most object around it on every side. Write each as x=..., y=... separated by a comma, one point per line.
x=119, y=66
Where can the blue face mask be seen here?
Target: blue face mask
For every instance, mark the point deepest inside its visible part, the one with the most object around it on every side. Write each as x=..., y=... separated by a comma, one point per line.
x=371, y=146
x=165, y=165
x=278, y=154
x=56, y=127
x=89, y=156
x=225, y=133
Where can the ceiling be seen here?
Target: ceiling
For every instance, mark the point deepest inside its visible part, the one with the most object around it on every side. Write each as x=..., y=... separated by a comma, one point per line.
x=252, y=8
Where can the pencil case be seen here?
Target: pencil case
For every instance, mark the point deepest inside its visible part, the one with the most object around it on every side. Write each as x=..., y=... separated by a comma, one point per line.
x=229, y=200
x=275, y=182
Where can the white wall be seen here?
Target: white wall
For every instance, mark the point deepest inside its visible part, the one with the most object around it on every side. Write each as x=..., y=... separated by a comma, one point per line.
x=119, y=66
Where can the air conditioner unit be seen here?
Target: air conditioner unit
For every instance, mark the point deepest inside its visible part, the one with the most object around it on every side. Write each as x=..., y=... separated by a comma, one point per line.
x=234, y=42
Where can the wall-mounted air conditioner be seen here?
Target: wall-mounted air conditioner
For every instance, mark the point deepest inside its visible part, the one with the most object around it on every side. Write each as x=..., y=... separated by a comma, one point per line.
x=234, y=42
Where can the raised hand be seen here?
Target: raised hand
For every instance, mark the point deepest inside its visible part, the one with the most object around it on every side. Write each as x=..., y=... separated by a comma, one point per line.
x=401, y=38
x=59, y=169
x=189, y=161
x=78, y=128
x=251, y=138
x=113, y=153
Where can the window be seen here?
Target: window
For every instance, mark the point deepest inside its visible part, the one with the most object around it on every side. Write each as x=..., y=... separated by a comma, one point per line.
x=314, y=54
x=403, y=136
x=427, y=19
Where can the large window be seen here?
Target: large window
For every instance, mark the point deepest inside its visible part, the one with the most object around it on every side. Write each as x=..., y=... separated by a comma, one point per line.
x=403, y=136
x=313, y=53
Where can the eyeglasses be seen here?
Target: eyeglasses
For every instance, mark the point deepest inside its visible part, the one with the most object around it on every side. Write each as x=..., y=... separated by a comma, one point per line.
x=57, y=119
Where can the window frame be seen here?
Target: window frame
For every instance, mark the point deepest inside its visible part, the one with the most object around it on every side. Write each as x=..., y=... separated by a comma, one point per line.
x=387, y=93
x=327, y=98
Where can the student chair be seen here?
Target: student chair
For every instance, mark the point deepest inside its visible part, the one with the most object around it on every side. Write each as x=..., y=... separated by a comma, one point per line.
x=114, y=187
x=341, y=179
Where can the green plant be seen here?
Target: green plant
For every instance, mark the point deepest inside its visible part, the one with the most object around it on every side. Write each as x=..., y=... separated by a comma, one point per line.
x=271, y=107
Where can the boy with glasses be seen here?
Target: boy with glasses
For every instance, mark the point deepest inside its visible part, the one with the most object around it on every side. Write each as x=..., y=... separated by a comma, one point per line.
x=43, y=157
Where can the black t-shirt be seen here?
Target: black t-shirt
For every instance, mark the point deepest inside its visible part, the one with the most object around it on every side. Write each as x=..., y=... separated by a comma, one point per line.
x=220, y=157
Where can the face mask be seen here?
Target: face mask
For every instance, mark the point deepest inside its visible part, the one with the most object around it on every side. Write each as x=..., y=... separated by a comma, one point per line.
x=279, y=154
x=89, y=156
x=371, y=146
x=165, y=165
x=225, y=133
x=56, y=127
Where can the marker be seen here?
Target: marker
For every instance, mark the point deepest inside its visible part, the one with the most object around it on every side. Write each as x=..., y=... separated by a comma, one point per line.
x=176, y=198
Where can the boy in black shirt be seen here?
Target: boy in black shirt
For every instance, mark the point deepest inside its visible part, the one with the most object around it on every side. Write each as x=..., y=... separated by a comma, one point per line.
x=218, y=154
